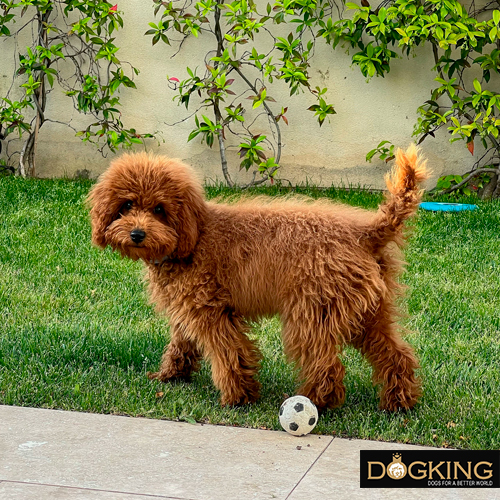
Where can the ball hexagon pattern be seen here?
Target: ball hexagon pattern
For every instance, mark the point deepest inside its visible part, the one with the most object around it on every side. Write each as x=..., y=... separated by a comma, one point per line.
x=298, y=415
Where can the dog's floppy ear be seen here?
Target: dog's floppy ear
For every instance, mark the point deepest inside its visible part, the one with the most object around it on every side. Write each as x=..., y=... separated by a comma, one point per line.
x=102, y=212
x=190, y=219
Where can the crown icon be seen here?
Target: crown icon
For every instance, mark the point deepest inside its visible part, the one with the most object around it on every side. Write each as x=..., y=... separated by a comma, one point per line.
x=396, y=457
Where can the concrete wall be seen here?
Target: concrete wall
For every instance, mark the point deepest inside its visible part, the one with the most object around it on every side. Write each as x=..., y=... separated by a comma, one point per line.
x=384, y=108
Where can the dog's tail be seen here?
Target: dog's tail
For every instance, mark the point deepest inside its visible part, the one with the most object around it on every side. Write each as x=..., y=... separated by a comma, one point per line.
x=403, y=197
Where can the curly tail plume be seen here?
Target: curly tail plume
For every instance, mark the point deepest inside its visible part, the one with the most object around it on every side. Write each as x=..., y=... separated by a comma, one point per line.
x=404, y=195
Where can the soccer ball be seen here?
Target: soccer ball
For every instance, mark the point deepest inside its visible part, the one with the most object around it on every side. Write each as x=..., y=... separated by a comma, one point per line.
x=298, y=415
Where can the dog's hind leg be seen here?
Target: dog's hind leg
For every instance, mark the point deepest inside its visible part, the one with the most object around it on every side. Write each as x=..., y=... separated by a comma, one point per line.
x=180, y=359
x=234, y=357
x=393, y=361
x=312, y=342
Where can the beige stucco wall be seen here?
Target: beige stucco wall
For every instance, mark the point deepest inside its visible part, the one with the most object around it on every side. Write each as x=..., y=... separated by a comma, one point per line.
x=384, y=108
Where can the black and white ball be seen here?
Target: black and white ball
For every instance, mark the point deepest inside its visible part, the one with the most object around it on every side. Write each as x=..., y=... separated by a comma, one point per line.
x=298, y=415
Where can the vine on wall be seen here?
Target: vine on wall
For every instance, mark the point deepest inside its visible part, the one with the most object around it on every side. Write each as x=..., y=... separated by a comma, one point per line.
x=63, y=34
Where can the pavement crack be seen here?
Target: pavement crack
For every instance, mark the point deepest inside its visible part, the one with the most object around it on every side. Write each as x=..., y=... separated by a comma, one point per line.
x=131, y=493
x=310, y=467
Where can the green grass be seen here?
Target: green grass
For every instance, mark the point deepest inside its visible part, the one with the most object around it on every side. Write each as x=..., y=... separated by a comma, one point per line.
x=77, y=333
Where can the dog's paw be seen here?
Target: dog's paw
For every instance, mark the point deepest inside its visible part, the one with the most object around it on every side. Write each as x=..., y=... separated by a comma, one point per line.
x=235, y=402
x=241, y=397
x=331, y=396
x=166, y=376
x=400, y=399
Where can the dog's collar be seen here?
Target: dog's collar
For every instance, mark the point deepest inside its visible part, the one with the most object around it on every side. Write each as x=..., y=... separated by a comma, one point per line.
x=157, y=262
x=172, y=258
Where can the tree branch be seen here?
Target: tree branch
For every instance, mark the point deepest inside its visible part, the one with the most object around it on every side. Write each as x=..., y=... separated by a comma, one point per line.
x=218, y=116
x=467, y=115
x=269, y=112
x=469, y=177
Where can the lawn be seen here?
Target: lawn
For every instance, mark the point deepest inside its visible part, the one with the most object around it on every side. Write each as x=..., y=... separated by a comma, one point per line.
x=77, y=333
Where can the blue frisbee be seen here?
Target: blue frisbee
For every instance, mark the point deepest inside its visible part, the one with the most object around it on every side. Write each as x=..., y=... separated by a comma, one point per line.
x=435, y=206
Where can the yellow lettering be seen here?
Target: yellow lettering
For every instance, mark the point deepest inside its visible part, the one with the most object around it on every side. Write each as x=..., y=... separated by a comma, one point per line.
x=488, y=471
x=370, y=470
x=467, y=474
x=423, y=472
x=435, y=469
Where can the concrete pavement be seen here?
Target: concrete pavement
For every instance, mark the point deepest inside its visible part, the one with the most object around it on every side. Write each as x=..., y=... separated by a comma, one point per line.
x=52, y=454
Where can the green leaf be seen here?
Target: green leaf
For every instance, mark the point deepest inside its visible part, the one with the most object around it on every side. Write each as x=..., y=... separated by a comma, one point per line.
x=493, y=33
x=477, y=85
x=193, y=134
x=370, y=154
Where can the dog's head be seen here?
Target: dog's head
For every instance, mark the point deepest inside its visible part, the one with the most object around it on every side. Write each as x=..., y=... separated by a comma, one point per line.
x=147, y=207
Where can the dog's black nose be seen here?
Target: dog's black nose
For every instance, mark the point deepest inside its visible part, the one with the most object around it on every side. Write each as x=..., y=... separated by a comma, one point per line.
x=137, y=235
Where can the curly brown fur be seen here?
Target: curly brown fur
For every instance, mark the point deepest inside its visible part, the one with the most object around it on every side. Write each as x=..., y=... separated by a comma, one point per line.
x=330, y=272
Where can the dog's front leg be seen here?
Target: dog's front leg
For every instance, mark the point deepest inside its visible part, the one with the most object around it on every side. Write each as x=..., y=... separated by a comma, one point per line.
x=180, y=359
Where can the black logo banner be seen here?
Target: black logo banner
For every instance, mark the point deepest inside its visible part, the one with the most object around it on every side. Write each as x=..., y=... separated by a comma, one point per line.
x=430, y=469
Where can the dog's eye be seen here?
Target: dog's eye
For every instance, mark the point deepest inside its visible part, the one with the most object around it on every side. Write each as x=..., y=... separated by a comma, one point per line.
x=127, y=205
x=158, y=210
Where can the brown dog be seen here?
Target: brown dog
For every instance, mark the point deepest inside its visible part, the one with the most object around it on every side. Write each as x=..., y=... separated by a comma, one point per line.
x=328, y=270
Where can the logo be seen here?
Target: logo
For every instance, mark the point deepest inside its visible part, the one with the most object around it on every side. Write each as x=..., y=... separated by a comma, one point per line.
x=396, y=469
x=430, y=469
